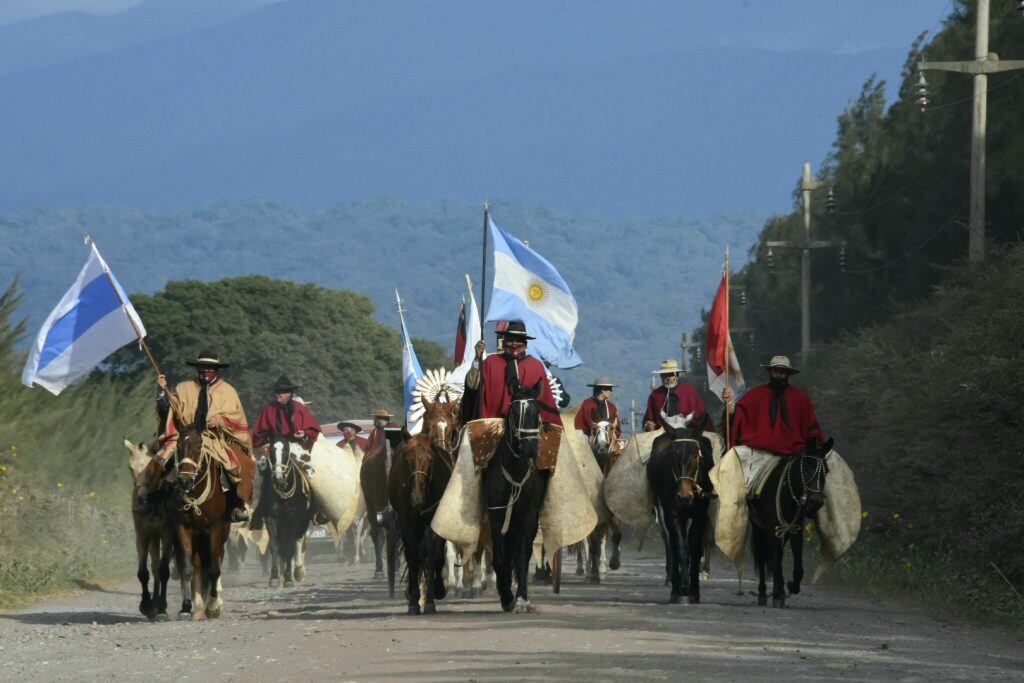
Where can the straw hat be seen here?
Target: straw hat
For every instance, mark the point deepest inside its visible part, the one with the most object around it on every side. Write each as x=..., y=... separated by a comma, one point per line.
x=668, y=367
x=207, y=359
x=780, y=363
x=382, y=413
x=603, y=382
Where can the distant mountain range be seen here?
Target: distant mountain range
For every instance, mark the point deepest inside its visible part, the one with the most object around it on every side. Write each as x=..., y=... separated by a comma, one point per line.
x=179, y=102
x=639, y=282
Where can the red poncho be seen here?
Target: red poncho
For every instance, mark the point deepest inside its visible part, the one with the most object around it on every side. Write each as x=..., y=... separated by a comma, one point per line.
x=274, y=420
x=689, y=402
x=494, y=398
x=377, y=436
x=784, y=429
x=606, y=410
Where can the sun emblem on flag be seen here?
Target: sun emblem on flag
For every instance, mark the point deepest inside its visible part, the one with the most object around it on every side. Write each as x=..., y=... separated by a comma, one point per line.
x=536, y=292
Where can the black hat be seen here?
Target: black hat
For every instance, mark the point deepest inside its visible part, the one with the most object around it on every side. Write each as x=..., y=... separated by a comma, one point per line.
x=514, y=328
x=353, y=425
x=284, y=385
x=207, y=359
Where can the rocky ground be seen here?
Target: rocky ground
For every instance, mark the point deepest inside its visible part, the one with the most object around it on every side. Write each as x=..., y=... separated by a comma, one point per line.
x=340, y=625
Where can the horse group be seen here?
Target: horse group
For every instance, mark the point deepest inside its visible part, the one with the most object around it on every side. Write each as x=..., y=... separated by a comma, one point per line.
x=181, y=513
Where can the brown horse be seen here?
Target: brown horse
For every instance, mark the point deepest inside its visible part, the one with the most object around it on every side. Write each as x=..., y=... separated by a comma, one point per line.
x=373, y=480
x=419, y=475
x=204, y=524
x=155, y=529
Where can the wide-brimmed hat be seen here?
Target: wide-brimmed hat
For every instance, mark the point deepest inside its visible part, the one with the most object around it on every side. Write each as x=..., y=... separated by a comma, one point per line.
x=513, y=328
x=603, y=382
x=668, y=367
x=283, y=385
x=382, y=413
x=207, y=359
x=780, y=363
x=353, y=425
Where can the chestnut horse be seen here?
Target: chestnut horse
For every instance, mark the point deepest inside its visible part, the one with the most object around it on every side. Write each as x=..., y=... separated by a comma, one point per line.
x=793, y=492
x=155, y=529
x=204, y=524
x=373, y=480
x=421, y=470
x=677, y=472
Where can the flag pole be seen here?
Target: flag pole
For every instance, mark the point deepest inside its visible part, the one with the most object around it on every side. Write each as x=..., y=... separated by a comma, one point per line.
x=728, y=347
x=483, y=270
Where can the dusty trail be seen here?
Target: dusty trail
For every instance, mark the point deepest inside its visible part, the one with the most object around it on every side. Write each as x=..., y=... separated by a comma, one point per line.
x=340, y=625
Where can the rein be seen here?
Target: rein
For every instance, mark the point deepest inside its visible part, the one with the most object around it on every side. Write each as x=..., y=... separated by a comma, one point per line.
x=682, y=477
x=203, y=469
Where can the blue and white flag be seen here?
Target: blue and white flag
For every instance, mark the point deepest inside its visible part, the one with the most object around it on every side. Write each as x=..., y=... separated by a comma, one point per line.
x=411, y=371
x=93, y=320
x=529, y=289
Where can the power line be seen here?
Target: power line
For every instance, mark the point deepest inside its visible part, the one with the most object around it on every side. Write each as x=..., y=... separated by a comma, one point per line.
x=913, y=251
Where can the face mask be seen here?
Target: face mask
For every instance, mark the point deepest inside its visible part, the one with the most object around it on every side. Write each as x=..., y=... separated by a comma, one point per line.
x=517, y=352
x=778, y=384
x=207, y=376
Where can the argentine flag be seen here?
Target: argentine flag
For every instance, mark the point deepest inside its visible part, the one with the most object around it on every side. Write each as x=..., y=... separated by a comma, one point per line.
x=411, y=371
x=93, y=320
x=528, y=288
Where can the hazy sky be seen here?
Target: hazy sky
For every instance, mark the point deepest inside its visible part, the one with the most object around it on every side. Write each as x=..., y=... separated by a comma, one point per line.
x=18, y=10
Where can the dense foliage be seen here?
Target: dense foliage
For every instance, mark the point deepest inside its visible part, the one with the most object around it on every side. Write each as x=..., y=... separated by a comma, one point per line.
x=326, y=341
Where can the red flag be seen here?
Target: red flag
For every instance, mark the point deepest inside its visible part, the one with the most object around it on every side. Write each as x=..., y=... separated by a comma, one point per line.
x=719, y=348
x=460, y=337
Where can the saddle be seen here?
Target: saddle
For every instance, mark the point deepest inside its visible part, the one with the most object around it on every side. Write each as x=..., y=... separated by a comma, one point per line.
x=486, y=434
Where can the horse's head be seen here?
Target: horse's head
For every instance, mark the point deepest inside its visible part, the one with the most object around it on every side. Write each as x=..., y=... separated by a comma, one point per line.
x=813, y=471
x=279, y=458
x=145, y=473
x=685, y=445
x=522, y=422
x=603, y=442
x=188, y=457
x=441, y=425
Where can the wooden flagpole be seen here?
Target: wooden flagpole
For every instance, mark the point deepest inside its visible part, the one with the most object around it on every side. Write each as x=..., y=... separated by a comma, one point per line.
x=728, y=348
x=483, y=270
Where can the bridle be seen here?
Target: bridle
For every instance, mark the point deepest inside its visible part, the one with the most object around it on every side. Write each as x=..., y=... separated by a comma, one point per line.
x=814, y=485
x=287, y=473
x=516, y=416
x=682, y=476
x=203, y=469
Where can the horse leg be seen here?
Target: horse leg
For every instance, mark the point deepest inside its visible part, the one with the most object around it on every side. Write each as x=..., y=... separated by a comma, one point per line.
x=615, y=562
x=412, y=591
x=287, y=554
x=695, y=540
x=667, y=543
x=164, y=574
x=391, y=546
x=796, y=542
x=215, y=606
x=759, y=540
x=142, y=543
x=521, y=554
x=453, y=567
x=198, y=582
x=300, y=559
x=503, y=569
x=594, y=552
x=775, y=549
x=677, y=545
x=273, y=531
x=582, y=557
x=183, y=561
x=377, y=535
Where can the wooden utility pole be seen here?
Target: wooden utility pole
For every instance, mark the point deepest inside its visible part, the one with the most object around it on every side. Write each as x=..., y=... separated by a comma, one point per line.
x=686, y=345
x=984, y=63
x=807, y=185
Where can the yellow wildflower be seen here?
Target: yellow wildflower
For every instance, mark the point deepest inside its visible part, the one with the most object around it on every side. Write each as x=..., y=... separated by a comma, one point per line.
x=60, y=485
x=909, y=565
x=91, y=494
x=864, y=514
x=810, y=526
x=21, y=497
x=895, y=515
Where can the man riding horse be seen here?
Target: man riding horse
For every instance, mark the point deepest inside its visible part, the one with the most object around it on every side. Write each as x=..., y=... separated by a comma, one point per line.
x=286, y=417
x=209, y=403
x=598, y=408
x=491, y=381
x=382, y=419
x=673, y=397
x=774, y=417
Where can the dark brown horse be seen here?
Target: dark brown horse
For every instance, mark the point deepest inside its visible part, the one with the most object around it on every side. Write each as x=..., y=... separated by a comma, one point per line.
x=373, y=480
x=793, y=492
x=204, y=524
x=155, y=529
x=421, y=470
x=677, y=471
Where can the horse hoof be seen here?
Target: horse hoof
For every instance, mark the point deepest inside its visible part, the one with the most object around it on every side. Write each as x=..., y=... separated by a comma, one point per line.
x=184, y=616
x=693, y=599
x=675, y=599
x=668, y=582
x=594, y=579
x=794, y=587
x=378, y=574
x=146, y=609
x=705, y=576
x=160, y=617
x=580, y=571
x=509, y=605
x=213, y=612
x=762, y=600
x=273, y=583
x=430, y=608
x=779, y=603
x=413, y=610
x=614, y=563
x=524, y=607
x=300, y=573
x=288, y=583
x=473, y=592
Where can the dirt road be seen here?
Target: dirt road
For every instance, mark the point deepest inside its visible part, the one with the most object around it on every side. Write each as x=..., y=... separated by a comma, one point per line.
x=340, y=625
